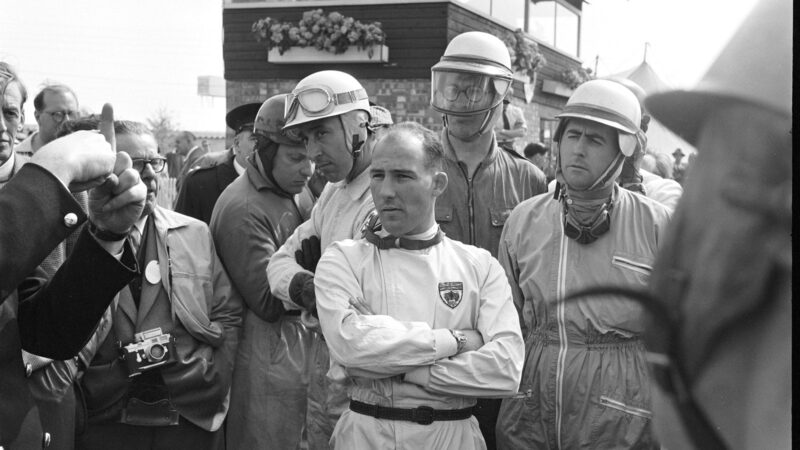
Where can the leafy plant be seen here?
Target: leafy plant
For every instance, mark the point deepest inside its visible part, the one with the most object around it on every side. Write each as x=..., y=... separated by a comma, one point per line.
x=331, y=32
x=575, y=77
x=525, y=54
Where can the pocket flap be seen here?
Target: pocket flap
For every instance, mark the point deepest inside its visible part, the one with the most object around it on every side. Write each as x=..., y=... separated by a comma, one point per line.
x=498, y=216
x=444, y=214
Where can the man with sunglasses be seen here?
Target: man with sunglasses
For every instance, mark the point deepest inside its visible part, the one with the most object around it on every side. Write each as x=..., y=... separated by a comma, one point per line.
x=330, y=112
x=213, y=172
x=468, y=86
x=161, y=377
x=53, y=105
x=585, y=381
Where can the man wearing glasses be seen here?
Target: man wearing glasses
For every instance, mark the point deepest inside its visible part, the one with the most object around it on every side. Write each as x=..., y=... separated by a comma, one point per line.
x=161, y=376
x=53, y=105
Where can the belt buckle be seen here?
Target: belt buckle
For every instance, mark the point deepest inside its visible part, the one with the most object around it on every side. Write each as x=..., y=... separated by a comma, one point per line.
x=422, y=415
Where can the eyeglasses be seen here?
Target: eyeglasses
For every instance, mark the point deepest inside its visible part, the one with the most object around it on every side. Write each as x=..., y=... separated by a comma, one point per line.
x=318, y=101
x=472, y=93
x=158, y=163
x=59, y=116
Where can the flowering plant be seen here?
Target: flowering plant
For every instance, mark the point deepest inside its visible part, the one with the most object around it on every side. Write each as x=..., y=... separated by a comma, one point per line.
x=525, y=54
x=332, y=32
x=575, y=77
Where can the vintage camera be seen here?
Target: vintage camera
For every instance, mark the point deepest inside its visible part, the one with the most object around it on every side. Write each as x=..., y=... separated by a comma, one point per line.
x=151, y=349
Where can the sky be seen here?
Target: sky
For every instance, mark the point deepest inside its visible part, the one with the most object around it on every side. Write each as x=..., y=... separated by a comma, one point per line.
x=145, y=56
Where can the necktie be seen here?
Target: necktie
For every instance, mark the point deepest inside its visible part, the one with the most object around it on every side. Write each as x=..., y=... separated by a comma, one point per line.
x=506, y=125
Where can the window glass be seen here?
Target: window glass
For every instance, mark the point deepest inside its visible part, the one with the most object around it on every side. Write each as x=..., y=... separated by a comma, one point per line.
x=567, y=25
x=511, y=12
x=541, y=21
x=484, y=6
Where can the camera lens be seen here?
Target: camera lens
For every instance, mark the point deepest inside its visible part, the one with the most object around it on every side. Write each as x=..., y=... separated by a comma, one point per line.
x=157, y=352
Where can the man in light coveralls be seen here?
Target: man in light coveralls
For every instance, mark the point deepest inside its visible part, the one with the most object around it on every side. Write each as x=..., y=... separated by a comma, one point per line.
x=421, y=324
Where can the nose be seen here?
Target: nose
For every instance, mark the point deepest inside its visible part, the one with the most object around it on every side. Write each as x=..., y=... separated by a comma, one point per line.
x=148, y=171
x=314, y=150
x=307, y=169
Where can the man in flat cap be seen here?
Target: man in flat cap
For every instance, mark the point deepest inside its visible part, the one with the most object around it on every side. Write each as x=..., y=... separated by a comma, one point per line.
x=215, y=171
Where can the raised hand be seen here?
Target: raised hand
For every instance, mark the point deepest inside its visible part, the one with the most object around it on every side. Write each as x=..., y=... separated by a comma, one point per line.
x=118, y=202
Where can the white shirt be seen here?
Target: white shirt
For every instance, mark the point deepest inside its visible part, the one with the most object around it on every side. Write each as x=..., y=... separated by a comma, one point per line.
x=340, y=213
x=417, y=296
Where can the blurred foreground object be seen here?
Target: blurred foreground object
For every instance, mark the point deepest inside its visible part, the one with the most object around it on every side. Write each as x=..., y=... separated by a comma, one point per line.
x=726, y=267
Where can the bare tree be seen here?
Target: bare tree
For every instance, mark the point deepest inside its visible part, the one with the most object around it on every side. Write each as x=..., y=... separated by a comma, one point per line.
x=164, y=128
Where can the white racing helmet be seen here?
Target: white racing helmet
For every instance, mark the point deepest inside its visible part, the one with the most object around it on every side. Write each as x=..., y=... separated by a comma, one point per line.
x=611, y=104
x=472, y=76
x=324, y=94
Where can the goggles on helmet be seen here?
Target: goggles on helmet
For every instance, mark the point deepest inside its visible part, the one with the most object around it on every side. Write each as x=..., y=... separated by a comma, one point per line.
x=466, y=93
x=588, y=234
x=318, y=101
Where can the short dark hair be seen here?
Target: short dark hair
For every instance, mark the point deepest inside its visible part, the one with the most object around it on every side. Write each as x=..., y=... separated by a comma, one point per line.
x=187, y=134
x=534, y=148
x=8, y=75
x=92, y=122
x=38, y=101
x=431, y=145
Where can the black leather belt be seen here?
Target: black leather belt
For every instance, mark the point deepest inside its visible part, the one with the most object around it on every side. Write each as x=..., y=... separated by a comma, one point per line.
x=423, y=415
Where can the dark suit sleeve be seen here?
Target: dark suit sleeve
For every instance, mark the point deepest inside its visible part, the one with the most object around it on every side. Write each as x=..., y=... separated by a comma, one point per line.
x=32, y=209
x=57, y=319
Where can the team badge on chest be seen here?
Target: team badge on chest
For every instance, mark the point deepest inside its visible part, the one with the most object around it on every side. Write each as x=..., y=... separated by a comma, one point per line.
x=451, y=293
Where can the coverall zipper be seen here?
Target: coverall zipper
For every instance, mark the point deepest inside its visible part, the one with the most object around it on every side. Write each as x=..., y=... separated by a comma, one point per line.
x=562, y=332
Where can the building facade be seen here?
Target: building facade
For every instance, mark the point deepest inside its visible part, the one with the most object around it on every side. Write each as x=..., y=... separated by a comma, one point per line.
x=417, y=33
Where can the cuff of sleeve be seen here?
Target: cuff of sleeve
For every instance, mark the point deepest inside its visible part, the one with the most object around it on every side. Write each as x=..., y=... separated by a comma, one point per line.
x=445, y=344
x=420, y=376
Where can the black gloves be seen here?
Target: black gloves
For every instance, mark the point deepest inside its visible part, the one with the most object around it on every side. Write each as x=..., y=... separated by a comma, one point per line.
x=309, y=254
x=301, y=291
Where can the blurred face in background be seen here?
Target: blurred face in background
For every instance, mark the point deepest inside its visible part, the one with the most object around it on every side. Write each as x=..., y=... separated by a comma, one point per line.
x=12, y=117
x=57, y=107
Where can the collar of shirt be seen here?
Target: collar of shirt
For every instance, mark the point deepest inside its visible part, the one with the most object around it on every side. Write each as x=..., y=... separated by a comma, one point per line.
x=357, y=187
x=424, y=236
x=7, y=169
x=238, y=167
x=139, y=224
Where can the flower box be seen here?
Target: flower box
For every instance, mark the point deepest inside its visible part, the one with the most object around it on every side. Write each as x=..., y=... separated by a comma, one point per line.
x=310, y=55
x=525, y=85
x=556, y=88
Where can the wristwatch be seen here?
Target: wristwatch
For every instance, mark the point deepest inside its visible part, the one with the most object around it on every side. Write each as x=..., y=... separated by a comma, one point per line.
x=461, y=340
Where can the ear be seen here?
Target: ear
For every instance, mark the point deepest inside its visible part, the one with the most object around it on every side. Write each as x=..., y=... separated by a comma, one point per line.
x=439, y=183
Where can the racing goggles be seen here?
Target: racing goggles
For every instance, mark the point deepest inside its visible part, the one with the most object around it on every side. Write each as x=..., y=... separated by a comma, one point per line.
x=318, y=101
x=466, y=93
x=586, y=235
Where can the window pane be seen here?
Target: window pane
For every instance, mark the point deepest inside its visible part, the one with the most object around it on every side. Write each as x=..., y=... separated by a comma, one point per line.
x=483, y=6
x=541, y=20
x=566, y=30
x=511, y=12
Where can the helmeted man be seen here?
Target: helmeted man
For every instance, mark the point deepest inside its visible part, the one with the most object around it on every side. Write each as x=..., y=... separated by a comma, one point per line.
x=486, y=182
x=161, y=377
x=329, y=110
x=585, y=381
x=253, y=217
x=214, y=171
x=420, y=323
x=725, y=272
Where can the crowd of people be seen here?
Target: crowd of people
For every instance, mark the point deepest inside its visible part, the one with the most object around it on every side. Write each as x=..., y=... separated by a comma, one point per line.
x=338, y=280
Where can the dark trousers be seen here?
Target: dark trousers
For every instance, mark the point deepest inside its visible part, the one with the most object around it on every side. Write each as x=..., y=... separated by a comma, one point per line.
x=486, y=411
x=120, y=436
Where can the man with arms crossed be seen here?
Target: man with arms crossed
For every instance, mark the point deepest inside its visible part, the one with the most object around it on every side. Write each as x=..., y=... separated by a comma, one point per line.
x=436, y=326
